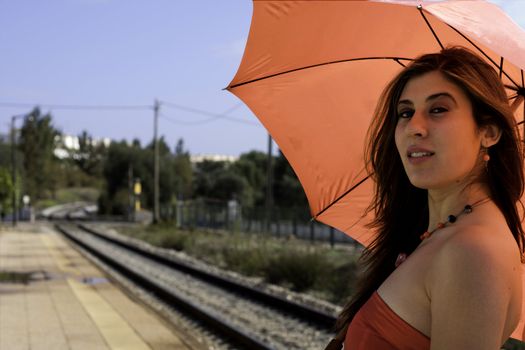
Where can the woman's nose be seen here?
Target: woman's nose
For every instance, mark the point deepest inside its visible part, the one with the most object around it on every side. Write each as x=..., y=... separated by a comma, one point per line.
x=417, y=125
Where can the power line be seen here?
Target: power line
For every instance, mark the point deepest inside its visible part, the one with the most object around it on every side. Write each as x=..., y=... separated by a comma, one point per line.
x=203, y=121
x=234, y=107
x=213, y=116
x=209, y=114
x=186, y=122
x=76, y=107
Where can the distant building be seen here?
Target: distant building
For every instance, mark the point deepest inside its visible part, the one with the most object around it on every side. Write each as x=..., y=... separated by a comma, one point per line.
x=68, y=143
x=198, y=158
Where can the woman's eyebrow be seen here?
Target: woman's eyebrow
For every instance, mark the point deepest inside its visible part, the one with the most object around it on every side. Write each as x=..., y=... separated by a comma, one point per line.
x=430, y=98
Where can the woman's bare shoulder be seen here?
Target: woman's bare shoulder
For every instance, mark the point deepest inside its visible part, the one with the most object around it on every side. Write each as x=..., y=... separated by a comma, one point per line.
x=487, y=241
x=475, y=285
x=479, y=251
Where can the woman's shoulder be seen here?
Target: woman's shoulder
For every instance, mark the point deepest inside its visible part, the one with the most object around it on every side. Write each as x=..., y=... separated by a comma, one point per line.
x=479, y=249
x=474, y=285
x=478, y=265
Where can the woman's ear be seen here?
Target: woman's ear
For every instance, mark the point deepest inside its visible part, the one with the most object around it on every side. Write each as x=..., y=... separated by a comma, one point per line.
x=490, y=135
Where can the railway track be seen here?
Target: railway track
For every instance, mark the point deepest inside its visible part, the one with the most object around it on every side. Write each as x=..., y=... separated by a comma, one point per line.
x=246, y=317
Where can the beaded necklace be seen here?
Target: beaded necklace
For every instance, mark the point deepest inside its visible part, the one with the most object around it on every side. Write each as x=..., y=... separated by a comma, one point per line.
x=450, y=220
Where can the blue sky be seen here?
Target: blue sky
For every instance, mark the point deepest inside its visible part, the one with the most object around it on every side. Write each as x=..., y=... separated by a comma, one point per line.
x=116, y=52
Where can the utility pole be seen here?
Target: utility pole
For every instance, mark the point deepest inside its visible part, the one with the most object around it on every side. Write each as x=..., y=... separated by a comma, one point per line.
x=13, y=169
x=131, y=195
x=269, y=186
x=13, y=165
x=156, y=217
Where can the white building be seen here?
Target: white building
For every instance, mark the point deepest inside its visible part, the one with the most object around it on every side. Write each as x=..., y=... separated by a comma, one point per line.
x=68, y=143
x=198, y=158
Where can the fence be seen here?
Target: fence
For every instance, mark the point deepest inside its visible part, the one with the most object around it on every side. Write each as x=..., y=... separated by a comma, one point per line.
x=284, y=222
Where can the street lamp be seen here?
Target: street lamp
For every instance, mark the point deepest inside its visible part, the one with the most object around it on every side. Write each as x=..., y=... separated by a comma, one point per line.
x=13, y=165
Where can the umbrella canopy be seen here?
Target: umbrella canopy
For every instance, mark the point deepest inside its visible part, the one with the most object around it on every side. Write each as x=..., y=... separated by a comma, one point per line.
x=312, y=72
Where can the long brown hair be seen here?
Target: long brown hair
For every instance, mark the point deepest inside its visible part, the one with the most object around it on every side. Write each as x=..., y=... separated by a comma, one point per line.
x=401, y=209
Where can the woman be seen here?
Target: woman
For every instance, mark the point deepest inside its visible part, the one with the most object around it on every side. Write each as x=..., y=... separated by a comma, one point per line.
x=444, y=271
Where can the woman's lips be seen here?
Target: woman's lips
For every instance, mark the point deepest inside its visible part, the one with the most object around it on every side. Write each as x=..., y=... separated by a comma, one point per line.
x=417, y=155
x=419, y=159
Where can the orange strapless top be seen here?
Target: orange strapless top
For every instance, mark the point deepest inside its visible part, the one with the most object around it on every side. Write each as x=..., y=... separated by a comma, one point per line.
x=376, y=326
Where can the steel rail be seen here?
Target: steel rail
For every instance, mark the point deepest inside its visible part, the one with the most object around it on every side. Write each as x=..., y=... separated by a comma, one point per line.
x=305, y=312
x=215, y=322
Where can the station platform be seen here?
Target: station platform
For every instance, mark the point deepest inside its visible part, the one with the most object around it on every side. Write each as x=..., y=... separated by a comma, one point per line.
x=51, y=297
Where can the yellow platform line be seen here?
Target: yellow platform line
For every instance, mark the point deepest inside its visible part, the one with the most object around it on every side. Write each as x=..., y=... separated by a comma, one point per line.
x=118, y=334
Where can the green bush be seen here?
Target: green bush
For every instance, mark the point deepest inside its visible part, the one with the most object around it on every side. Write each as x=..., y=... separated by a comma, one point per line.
x=324, y=272
x=172, y=240
x=245, y=260
x=298, y=269
x=339, y=283
x=46, y=203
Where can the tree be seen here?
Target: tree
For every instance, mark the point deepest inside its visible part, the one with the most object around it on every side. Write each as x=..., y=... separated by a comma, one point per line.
x=122, y=159
x=229, y=185
x=205, y=174
x=6, y=162
x=90, y=155
x=6, y=191
x=252, y=167
x=167, y=184
x=5, y=155
x=289, y=194
x=37, y=143
x=183, y=171
x=288, y=191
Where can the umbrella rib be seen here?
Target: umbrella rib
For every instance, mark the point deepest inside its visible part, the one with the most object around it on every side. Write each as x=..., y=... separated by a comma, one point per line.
x=317, y=65
x=483, y=52
x=340, y=197
x=420, y=8
x=401, y=64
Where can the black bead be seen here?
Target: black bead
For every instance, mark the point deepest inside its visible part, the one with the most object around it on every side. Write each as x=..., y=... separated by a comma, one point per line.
x=468, y=209
x=452, y=219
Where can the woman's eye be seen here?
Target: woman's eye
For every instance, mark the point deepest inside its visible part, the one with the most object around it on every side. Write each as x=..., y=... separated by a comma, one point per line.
x=437, y=110
x=405, y=114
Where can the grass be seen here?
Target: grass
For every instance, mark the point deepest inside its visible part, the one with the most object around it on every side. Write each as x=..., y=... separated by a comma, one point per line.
x=70, y=195
x=317, y=269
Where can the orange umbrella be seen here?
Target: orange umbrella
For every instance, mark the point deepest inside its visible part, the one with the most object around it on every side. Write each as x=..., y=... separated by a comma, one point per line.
x=312, y=72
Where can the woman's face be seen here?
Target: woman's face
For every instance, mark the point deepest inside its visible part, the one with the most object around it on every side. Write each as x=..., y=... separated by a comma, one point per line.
x=436, y=135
